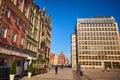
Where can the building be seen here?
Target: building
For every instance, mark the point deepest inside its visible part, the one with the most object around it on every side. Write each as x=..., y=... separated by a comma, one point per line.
x=52, y=55
x=97, y=42
x=45, y=34
x=39, y=33
x=56, y=59
x=73, y=50
x=32, y=34
x=25, y=33
x=66, y=61
x=13, y=29
x=61, y=58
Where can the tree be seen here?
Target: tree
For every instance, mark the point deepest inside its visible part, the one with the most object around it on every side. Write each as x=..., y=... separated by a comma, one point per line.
x=30, y=68
x=41, y=61
x=13, y=68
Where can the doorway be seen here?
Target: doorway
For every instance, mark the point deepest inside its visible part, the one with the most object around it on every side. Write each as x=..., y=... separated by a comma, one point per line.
x=107, y=64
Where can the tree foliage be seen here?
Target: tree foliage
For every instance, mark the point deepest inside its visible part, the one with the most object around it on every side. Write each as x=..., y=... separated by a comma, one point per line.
x=13, y=68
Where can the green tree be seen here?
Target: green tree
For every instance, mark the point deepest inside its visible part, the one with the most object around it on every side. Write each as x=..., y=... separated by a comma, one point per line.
x=13, y=68
x=30, y=68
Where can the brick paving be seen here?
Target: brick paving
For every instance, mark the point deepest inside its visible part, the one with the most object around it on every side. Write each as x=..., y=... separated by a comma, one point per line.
x=98, y=74
x=65, y=74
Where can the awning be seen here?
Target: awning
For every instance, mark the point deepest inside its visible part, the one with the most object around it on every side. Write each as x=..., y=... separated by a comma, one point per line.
x=11, y=52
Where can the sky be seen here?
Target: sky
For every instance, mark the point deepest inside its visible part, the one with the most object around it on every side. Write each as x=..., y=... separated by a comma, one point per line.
x=64, y=14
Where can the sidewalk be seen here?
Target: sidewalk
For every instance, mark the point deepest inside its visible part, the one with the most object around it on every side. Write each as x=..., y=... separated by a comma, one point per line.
x=78, y=77
x=65, y=74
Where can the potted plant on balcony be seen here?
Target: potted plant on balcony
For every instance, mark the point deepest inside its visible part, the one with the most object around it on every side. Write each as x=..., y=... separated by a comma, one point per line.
x=13, y=70
x=30, y=70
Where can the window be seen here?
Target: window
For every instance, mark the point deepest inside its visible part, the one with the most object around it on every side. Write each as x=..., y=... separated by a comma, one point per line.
x=24, y=13
x=18, y=6
x=21, y=40
x=14, y=36
x=17, y=20
x=7, y=12
x=3, y=31
x=23, y=25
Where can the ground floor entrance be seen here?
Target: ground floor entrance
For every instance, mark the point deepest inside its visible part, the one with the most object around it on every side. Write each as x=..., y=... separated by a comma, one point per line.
x=107, y=64
x=114, y=65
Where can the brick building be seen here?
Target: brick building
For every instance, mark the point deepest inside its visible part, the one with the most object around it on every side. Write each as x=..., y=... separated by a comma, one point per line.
x=25, y=33
x=61, y=58
x=13, y=27
x=52, y=55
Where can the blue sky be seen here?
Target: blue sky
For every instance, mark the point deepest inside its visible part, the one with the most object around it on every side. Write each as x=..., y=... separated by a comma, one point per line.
x=65, y=12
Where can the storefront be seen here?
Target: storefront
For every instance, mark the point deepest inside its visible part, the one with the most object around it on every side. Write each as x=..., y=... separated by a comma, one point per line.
x=7, y=56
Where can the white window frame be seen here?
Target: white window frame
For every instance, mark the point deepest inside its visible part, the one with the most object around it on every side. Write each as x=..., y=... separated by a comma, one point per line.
x=7, y=12
x=14, y=35
x=16, y=19
x=23, y=25
x=3, y=31
x=21, y=41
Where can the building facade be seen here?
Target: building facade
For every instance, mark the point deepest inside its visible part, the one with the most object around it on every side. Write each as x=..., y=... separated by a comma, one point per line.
x=56, y=59
x=73, y=50
x=97, y=42
x=45, y=34
x=32, y=34
x=13, y=29
x=61, y=59
x=25, y=33
x=52, y=55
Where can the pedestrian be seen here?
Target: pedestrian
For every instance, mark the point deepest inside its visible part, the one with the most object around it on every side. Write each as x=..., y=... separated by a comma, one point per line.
x=62, y=66
x=78, y=68
x=108, y=69
x=56, y=69
x=50, y=67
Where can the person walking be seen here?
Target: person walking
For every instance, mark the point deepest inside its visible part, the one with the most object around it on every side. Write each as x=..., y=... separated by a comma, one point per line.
x=108, y=69
x=56, y=69
x=62, y=66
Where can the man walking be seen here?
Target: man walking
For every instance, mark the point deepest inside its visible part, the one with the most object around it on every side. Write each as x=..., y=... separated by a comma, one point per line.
x=56, y=69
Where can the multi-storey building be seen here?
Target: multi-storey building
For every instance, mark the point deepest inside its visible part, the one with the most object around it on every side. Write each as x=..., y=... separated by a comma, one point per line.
x=13, y=27
x=39, y=32
x=97, y=42
x=25, y=32
x=32, y=35
x=66, y=61
x=73, y=50
x=56, y=59
x=45, y=34
x=52, y=55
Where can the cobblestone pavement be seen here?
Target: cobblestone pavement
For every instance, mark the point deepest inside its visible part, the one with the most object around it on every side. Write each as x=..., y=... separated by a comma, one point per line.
x=98, y=74
x=65, y=74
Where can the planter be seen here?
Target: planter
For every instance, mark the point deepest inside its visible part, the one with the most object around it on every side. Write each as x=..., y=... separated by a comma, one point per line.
x=29, y=74
x=12, y=76
x=39, y=71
